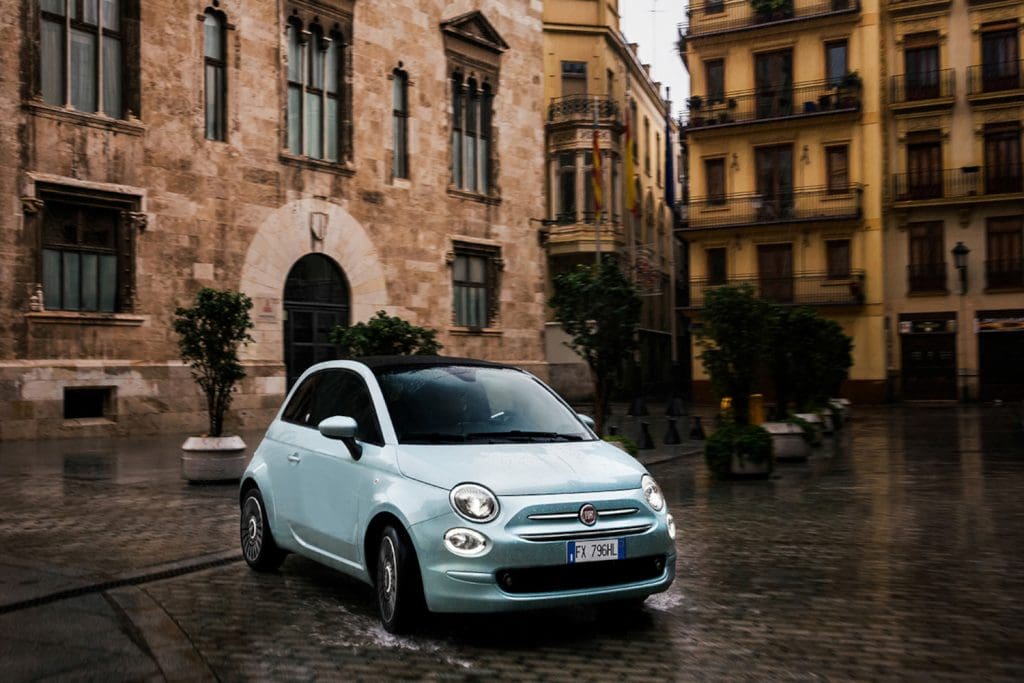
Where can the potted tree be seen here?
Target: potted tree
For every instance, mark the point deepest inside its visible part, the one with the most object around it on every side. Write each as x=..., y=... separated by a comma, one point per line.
x=384, y=335
x=209, y=334
x=733, y=322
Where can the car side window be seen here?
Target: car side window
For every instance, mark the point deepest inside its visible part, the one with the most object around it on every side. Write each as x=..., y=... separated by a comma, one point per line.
x=299, y=409
x=342, y=392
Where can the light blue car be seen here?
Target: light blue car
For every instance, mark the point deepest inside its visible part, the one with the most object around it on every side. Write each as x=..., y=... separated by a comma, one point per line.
x=453, y=485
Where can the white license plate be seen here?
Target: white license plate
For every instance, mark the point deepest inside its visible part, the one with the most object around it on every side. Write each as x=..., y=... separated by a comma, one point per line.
x=595, y=551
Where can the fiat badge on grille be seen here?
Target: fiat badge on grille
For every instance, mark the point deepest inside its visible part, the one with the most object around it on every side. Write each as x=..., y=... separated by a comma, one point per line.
x=588, y=514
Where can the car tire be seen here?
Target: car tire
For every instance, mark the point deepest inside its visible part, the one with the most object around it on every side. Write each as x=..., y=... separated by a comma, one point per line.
x=398, y=584
x=258, y=546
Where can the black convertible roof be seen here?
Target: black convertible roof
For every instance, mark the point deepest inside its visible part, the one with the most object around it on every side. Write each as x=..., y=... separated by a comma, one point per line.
x=379, y=363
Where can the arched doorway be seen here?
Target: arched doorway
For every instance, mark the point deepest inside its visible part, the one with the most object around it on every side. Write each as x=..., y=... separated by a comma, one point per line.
x=316, y=299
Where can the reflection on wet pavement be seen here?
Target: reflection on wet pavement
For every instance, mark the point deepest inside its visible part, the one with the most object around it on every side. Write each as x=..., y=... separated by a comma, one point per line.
x=892, y=554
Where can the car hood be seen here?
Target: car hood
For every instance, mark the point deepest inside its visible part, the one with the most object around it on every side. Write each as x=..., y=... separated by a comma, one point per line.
x=523, y=469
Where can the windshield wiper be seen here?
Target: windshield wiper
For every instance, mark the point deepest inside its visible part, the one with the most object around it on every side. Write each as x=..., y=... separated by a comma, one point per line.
x=432, y=437
x=514, y=434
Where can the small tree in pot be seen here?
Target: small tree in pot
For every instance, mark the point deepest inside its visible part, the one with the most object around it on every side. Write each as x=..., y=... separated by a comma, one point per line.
x=209, y=334
x=734, y=347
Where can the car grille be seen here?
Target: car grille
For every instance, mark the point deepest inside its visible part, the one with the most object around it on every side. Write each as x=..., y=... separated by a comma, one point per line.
x=580, y=576
x=556, y=523
x=588, y=533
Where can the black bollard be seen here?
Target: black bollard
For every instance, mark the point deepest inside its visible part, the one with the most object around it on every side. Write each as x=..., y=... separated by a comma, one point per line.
x=613, y=430
x=672, y=434
x=676, y=408
x=638, y=407
x=646, y=442
x=696, y=429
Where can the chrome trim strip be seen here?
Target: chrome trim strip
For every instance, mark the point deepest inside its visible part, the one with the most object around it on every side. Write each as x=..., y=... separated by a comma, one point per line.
x=573, y=515
x=589, y=533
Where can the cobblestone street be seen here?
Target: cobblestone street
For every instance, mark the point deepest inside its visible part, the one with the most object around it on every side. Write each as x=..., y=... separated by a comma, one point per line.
x=892, y=554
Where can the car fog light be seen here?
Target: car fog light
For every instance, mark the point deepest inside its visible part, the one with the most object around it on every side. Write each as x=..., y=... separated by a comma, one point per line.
x=671, y=527
x=466, y=542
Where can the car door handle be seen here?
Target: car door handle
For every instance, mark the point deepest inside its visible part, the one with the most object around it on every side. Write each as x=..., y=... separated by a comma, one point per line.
x=294, y=457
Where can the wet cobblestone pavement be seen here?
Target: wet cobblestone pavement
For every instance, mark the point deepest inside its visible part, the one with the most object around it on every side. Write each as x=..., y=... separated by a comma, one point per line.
x=893, y=554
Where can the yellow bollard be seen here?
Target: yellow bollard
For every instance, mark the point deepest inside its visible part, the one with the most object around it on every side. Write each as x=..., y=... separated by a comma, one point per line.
x=756, y=409
x=725, y=404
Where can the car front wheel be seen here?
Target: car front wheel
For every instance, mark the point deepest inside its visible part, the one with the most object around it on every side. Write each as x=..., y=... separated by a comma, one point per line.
x=258, y=546
x=399, y=587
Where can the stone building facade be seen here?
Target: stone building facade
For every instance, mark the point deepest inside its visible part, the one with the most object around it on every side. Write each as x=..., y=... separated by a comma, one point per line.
x=329, y=158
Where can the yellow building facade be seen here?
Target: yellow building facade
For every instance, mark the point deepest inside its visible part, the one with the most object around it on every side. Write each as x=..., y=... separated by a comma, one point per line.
x=593, y=81
x=954, y=224
x=785, y=147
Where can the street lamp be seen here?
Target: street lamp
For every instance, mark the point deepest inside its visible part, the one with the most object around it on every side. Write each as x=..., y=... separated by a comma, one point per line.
x=960, y=252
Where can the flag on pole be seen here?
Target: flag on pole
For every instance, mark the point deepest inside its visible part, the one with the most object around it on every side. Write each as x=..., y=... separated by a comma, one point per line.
x=628, y=171
x=596, y=170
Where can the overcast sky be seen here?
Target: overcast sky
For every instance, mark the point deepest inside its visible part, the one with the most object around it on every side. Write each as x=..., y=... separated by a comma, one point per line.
x=652, y=24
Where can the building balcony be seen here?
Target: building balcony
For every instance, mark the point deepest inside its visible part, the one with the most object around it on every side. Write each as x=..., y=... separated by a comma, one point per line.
x=900, y=7
x=714, y=17
x=578, y=234
x=995, y=82
x=927, y=278
x=959, y=185
x=1004, y=274
x=582, y=108
x=926, y=90
x=810, y=100
x=798, y=289
x=751, y=208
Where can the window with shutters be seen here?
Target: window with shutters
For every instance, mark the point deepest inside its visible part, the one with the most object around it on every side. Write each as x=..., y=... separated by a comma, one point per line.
x=927, y=264
x=400, y=124
x=215, y=74
x=837, y=259
x=86, y=260
x=1004, y=256
x=837, y=168
x=475, y=275
x=318, y=109
x=88, y=56
x=473, y=48
x=1003, y=172
x=714, y=176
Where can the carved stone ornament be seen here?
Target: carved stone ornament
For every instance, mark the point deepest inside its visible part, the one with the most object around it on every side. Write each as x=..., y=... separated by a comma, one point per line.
x=30, y=206
x=318, y=225
x=138, y=220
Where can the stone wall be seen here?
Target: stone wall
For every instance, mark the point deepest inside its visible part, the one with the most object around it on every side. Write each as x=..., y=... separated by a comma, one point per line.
x=237, y=214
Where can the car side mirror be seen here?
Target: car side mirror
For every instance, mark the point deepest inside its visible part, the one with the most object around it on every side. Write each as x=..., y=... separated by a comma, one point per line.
x=343, y=429
x=587, y=420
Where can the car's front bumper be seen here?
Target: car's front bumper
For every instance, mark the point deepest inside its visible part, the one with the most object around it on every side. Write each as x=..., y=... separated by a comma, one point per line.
x=518, y=574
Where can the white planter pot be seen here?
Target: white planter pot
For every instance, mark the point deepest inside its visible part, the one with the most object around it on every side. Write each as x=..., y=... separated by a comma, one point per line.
x=788, y=440
x=816, y=423
x=744, y=467
x=213, y=458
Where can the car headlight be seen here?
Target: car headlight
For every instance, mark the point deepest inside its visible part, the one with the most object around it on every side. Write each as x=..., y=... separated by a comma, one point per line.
x=652, y=492
x=466, y=542
x=671, y=527
x=474, y=502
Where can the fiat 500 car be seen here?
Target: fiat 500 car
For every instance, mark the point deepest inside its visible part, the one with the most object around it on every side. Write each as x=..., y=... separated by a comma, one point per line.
x=452, y=485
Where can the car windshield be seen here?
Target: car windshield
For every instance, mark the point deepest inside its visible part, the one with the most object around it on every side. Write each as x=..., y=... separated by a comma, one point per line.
x=469, y=404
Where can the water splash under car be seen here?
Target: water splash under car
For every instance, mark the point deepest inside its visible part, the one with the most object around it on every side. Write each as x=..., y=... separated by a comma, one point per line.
x=452, y=485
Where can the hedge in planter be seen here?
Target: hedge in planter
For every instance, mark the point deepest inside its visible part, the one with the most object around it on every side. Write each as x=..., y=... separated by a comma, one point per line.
x=752, y=442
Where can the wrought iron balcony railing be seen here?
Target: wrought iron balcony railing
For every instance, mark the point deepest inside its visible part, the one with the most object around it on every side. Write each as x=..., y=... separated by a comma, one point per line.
x=799, y=289
x=721, y=16
x=752, y=208
x=912, y=88
x=958, y=183
x=582, y=108
x=1004, y=273
x=774, y=102
x=994, y=77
